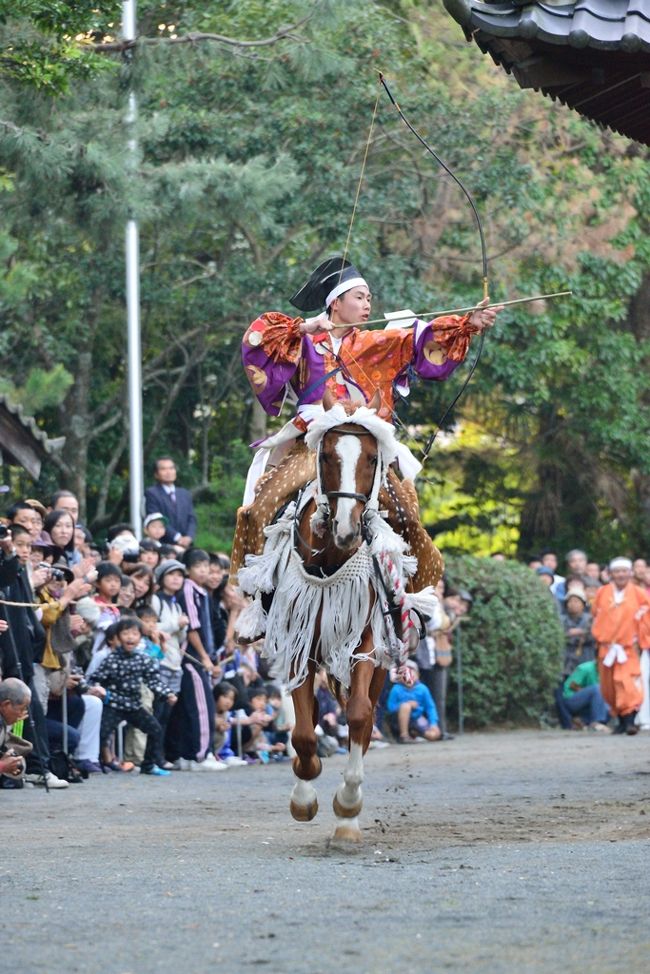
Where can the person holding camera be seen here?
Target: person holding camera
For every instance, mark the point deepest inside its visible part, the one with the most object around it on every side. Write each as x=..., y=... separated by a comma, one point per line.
x=57, y=674
x=15, y=697
x=27, y=647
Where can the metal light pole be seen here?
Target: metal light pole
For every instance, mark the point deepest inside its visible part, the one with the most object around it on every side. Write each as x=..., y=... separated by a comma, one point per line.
x=132, y=256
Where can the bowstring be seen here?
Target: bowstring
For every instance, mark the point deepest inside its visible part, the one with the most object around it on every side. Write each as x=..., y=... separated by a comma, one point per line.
x=360, y=182
x=357, y=196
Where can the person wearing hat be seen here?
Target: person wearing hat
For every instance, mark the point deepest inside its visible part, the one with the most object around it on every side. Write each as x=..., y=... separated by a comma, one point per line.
x=576, y=618
x=621, y=628
x=154, y=526
x=302, y=359
x=545, y=575
x=172, y=620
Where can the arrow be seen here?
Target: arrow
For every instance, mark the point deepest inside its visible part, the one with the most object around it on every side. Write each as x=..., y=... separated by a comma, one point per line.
x=427, y=315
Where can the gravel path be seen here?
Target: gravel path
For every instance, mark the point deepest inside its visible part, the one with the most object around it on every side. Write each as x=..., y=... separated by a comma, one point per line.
x=517, y=852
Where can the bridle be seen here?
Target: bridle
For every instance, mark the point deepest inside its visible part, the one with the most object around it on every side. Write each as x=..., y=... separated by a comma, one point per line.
x=323, y=497
x=353, y=495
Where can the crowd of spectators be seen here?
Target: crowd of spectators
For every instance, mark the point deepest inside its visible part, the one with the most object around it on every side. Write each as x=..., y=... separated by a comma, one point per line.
x=604, y=683
x=124, y=655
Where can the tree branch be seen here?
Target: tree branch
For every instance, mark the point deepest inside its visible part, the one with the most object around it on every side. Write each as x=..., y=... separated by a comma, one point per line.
x=196, y=37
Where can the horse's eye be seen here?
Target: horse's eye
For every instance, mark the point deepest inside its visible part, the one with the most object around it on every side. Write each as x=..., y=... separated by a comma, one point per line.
x=374, y=460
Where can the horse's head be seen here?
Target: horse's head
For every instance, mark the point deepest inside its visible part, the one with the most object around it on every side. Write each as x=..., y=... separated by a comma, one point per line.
x=348, y=459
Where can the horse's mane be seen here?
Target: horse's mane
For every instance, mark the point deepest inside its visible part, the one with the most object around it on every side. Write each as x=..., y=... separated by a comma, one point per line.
x=352, y=413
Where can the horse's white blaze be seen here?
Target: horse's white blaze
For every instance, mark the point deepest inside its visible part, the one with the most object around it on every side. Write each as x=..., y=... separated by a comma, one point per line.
x=349, y=451
x=303, y=793
x=349, y=793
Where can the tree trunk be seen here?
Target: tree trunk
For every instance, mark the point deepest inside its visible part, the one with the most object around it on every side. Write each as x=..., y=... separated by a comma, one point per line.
x=78, y=427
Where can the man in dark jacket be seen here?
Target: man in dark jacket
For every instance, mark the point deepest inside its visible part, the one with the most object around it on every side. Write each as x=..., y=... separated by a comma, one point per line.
x=172, y=501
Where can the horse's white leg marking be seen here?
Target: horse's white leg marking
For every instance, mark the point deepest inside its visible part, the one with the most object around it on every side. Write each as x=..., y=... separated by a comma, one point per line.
x=304, y=802
x=303, y=792
x=348, y=799
x=349, y=451
x=349, y=794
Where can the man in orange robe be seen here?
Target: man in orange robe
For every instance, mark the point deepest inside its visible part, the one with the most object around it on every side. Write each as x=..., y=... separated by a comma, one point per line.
x=621, y=628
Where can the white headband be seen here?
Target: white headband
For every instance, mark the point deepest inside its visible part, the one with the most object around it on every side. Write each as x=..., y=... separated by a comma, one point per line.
x=620, y=563
x=342, y=287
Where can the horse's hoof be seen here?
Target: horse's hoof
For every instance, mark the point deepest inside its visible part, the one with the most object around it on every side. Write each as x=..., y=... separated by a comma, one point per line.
x=304, y=813
x=344, y=811
x=345, y=835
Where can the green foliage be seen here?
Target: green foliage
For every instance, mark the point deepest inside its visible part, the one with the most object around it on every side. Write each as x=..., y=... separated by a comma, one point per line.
x=247, y=165
x=38, y=48
x=217, y=516
x=512, y=642
x=42, y=389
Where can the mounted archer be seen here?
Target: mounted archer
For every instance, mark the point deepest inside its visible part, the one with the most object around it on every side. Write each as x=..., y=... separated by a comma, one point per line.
x=300, y=360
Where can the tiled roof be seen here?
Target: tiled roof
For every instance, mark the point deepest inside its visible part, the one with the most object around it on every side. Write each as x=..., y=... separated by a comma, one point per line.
x=21, y=440
x=592, y=55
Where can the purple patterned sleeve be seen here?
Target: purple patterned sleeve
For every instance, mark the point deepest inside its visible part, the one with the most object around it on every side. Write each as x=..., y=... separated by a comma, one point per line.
x=271, y=352
x=430, y=359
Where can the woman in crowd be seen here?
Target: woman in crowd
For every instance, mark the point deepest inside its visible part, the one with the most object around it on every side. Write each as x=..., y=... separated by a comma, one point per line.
x=59, y=526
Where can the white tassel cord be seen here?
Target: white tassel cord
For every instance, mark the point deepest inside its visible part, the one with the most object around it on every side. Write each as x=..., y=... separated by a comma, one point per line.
x=347, y=602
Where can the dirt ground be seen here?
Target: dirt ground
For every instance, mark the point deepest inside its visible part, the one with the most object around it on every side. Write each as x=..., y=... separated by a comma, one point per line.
x=520, y=851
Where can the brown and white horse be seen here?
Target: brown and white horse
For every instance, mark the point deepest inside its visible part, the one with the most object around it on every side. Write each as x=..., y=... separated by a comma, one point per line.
x=348, y=458
x=334, y=567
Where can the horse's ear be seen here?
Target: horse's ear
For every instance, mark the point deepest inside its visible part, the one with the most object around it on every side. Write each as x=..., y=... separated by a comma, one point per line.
x=328, y=400
x=375, y=402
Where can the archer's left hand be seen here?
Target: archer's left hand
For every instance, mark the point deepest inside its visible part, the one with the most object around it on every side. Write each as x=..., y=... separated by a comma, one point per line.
x=484, y=317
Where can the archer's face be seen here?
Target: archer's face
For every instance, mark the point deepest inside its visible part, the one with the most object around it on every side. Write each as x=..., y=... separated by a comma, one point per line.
x=351, y=307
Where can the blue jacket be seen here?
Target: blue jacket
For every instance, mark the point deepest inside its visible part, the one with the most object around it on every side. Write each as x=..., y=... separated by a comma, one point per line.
x=425, y=705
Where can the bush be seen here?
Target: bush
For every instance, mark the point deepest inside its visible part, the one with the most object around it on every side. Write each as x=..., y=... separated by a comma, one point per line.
x=512, y=642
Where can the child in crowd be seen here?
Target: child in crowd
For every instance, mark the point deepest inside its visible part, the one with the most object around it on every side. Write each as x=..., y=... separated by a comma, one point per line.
x=142, y=578
x=150, y=554
x=172, y=621
x=155, y=528
x=107, y=589
x=272, y=742
x=153, y=640
x=252, y=722
x=126, y=597
x=191, y=726
x=411, y=710
x=122, y=674
x=224, y=701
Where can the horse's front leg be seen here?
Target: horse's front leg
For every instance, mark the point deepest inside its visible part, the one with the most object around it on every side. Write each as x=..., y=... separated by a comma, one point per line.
x=306, y=764
x=348, y=799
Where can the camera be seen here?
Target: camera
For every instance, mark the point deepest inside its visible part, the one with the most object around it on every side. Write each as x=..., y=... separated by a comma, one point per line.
x=5, y=531
x=56, y=573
